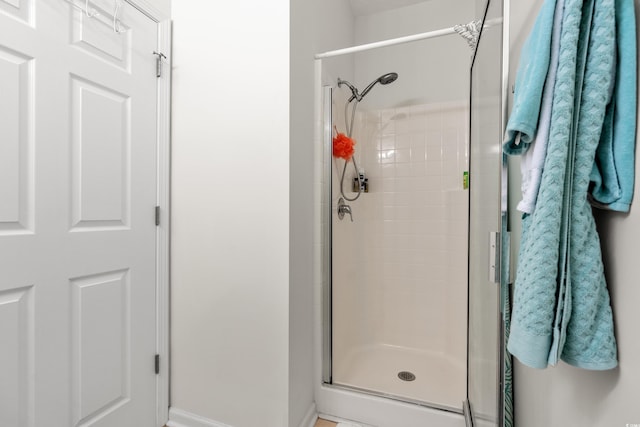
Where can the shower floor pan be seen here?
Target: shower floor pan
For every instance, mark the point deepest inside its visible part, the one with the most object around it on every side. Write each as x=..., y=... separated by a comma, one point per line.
x=439, y=380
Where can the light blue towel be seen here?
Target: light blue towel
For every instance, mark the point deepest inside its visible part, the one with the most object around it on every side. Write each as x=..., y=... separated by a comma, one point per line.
x=590, y=340
x=613, y=173
x=561, y=303
x=532, y=161
x=532, y=72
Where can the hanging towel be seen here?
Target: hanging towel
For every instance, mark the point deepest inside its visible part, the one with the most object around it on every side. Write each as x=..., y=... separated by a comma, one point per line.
x=534, y=302
x=533, y=158
x=532, y=72
x=561, y=303
x=613, y=172
x=588, y=328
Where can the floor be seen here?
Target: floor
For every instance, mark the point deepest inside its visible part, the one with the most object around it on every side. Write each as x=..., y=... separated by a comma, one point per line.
x=321, y=423
x=376, y=368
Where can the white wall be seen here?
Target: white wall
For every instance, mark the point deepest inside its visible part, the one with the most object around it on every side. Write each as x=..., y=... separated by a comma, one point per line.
x=301, y=214
x=230, y=229
x=315, y=27
x=433, y=70
x=567, y=396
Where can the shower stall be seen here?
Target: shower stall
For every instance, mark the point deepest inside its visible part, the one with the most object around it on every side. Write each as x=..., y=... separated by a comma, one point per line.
x=408, y=167
x=399, y=260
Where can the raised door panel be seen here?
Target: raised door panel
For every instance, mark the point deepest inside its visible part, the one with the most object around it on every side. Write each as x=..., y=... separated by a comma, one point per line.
x=16, y=151
x=101, y=345
x=101, y=143
x=21, y=10
x=91, y=35
x=16, y=357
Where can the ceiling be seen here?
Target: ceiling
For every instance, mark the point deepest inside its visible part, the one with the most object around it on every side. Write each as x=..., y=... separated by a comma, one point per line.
x=368, y=7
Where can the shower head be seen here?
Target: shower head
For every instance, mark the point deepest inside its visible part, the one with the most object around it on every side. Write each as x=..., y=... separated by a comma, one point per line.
x=385, y=79
x=388, y=78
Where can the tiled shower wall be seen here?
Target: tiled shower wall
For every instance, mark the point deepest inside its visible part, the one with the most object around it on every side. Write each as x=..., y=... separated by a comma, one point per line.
x=400, y=269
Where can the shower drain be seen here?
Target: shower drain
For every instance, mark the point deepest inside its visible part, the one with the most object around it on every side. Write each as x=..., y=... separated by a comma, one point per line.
x=406, y=376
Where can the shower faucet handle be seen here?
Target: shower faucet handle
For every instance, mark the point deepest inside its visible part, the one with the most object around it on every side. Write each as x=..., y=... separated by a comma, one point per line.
x=344, y=208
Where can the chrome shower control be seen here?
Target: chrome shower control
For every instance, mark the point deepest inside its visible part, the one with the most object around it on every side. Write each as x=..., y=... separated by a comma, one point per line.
x=343, y=208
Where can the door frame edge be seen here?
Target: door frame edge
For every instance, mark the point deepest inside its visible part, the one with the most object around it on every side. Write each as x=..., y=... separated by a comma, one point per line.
x=163, y=201
x=163, y=242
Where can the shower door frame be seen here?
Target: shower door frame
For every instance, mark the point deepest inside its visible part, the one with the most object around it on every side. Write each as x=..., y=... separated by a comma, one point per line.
x=329, y=395
x=499, y=242
x=327, y=255
x=331, y=399
x=326, y=117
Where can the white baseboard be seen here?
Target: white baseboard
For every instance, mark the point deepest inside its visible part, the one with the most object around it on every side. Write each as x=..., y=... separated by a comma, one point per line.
x=342, y=420
x=180, y=418
x=311, y=416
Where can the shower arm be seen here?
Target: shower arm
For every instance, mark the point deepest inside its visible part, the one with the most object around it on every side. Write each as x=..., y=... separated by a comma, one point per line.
x=354, y=93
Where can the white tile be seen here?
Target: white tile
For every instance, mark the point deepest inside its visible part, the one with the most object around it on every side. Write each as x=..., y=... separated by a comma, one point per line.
x=387, y=142
x=434, y=167
x=403, y=169
x=389, y=184
x=403, y=141
x=418, y=153
x=434, y=151
x=418, y=169
x=402, y=155
x=388, y=170
x=387, y=156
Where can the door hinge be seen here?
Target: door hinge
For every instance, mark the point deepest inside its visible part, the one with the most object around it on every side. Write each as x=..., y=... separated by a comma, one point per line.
x=494, y=257
x=159, y=61
x=157, y=216
x=157, y=363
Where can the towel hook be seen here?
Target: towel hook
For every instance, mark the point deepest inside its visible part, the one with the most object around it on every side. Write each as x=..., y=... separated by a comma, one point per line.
x=91, y=14
x=117, y=28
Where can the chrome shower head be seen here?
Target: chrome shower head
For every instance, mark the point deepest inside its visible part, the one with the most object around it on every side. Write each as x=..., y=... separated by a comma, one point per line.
x=384, y=79
x=388, y=78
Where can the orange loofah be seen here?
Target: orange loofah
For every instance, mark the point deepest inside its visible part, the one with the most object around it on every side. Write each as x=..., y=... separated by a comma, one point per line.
x=343, y=146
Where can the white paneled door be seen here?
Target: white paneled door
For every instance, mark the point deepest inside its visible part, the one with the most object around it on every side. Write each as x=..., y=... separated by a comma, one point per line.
x=78, y=114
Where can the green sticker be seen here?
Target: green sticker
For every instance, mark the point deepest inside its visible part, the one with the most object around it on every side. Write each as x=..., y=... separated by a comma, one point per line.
x=465, y=180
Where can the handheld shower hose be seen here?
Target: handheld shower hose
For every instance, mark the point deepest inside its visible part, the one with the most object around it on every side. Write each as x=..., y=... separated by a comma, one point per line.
x=356, y=97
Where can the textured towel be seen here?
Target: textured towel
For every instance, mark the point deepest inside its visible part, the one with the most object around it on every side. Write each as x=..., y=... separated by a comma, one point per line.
x=590, y=341
x=561, y=303
x=533, y=159
x=532, y=72
x=534, y=305
x=613, y=172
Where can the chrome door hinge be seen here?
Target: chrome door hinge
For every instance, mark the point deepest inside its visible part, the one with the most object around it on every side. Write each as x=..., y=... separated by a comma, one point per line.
x=157, y=363
x=159, y=61
x=157, y=216
x=494, y=257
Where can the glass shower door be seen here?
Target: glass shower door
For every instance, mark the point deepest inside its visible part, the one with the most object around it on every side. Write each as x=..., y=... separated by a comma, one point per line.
x=485, y=322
